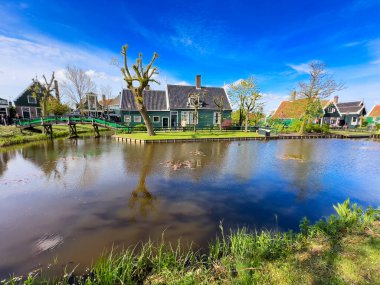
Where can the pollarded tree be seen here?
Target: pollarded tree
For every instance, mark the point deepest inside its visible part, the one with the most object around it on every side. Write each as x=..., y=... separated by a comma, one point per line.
x=196, y=100
x=219, y=102
x=44, y=90
x=142, y=77
x=320, y=86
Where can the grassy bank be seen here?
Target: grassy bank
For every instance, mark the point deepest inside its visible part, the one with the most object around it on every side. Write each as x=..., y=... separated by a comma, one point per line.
x=189, y=135
x=342, y=249
x=11, y=135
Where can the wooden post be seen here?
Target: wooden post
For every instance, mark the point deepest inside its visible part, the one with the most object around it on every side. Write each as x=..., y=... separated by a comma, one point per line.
x=73, y=130
x=96, y=130
x=48, y=130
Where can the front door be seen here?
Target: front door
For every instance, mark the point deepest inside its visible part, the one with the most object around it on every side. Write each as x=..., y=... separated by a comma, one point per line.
x=174, y=118
x=165, y=122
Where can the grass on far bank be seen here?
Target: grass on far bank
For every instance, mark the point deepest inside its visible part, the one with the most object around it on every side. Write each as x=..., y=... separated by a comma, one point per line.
x=11, y=135
x=341, y=249
x=178, y=135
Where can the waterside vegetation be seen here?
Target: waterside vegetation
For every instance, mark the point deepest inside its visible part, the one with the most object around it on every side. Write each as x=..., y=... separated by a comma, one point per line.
x=340, y=249
x=11, y=135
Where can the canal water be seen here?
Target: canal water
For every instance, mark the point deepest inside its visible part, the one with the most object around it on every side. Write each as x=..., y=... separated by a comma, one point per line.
x=63, y=202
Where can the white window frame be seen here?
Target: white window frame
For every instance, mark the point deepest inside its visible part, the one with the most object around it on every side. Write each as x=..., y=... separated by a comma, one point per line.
x=170, y=120
x=356, y=121
x=34, y=101
x=38, y=108
x=157, y=120
x=332, y=121
x=137, y=119
x=217, y=118
x=127, y=118
x=188, y=118
x=162, y=124
x=22, y=111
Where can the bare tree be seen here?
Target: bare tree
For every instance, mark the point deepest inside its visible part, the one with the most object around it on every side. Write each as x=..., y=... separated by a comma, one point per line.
x=248, y=95
x=77, y=85
x=219, y=102
x=320, y=86
x=196, y=100
x=143, y=77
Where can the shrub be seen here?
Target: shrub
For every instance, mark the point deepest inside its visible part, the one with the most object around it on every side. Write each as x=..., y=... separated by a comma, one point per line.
x=139, y=127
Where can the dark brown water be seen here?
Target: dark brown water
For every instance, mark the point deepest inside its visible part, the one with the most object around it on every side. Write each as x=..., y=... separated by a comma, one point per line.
x=63, y=202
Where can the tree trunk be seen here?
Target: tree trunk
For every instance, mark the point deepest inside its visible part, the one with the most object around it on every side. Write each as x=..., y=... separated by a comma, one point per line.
x=246, y=123
x=144, y=114
x=240, y=117
x=302, y=128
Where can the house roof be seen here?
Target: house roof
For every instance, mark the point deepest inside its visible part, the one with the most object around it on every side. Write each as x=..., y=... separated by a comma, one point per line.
x=375, y=112
x=111, y=102
x=28, y=91
x=292, y=109
x=154, y=100
x=179, y=94
x=350, y=107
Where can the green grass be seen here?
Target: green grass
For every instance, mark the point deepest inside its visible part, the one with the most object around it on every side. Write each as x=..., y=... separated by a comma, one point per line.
x=189, y=135
x=342, y=249
x=351, y=133
x=10, y=135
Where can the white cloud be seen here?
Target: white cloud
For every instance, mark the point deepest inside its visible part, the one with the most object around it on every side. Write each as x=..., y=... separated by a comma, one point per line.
x=303, y=68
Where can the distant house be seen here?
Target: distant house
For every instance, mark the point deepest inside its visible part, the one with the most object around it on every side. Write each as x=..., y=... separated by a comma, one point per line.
x=90, y=105
x=4, y=107
x=27, y=105
x=172, y=108
x=374, y=115
x=111, y=106
x=290, y=110
x=347, y=114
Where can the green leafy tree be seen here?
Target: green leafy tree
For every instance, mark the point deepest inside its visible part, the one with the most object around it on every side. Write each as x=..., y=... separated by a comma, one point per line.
x=56, y=108
x=248, y=96
x=319, y=86
x=142, y=77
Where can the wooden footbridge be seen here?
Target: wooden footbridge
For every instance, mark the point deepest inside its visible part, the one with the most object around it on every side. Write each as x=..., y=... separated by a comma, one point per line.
x=71, y=122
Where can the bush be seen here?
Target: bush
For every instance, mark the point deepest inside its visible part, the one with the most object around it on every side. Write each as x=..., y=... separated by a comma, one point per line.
x=139, y=127
x=314, y=128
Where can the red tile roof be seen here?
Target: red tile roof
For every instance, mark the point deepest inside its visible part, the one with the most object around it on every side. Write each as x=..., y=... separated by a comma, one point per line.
x=375, y=112
x=292, y=109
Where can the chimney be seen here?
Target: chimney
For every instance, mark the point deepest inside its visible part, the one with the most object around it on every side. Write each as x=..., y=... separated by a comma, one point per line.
x=57, y=91
x=198, y=84
x=336, y=99
x=293, y=95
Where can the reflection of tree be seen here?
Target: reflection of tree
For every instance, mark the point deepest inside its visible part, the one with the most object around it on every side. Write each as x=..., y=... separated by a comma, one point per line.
x=4, y=158
x=141, y=199
x=301, y=152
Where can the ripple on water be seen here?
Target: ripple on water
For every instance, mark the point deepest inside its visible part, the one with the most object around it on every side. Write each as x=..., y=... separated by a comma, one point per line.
x=47, y=242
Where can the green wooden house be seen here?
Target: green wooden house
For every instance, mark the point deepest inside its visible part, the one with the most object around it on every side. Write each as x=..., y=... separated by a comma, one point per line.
x=27, y=105
x=171, y=108
x=4, y=107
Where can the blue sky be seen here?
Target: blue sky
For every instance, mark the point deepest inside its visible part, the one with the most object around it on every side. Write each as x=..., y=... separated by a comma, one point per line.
x=223, y=41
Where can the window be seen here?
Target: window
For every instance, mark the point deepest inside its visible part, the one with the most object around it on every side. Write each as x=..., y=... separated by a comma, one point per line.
x=38, y=112
x=25, y=112
x=137, y=119
x=156, y=119
x=188, y=117
x=217, y=118
x=354, y=120
x=332, y=121
x=32, y=100
x=127, y=119
x=331, y=110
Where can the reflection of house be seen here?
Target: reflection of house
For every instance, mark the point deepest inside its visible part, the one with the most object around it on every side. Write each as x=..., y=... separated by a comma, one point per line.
x=27, y=105
x=4, y=107
x=374, y=115
x=348, y=114
x=90, y=105
x=290, y=110
x=173, y=108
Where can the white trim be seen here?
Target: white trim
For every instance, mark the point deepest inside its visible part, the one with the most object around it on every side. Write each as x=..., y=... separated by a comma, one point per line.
x=162, y=121
x=219, y=116
x=36, y=108
x=30, y=97
x=135, y=117
x=167, y=97
x=127, y=121
x=22, y=112
x=22, y=93
x=156, y=117
x=170, y=120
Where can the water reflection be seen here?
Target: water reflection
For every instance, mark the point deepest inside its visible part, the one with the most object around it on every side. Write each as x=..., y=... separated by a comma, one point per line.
x=82, y=196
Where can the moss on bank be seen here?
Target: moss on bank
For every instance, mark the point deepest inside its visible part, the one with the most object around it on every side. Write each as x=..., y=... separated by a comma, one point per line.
x=342, y=249
x=11, y=135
